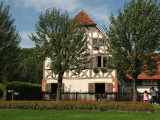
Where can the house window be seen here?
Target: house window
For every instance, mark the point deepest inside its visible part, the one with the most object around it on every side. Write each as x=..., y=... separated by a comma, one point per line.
x=102, y=61
x=99, y=61
x=54, y=87
x=100, y=87
x=95, y=42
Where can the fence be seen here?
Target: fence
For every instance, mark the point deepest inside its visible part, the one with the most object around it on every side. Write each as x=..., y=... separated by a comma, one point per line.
x=82, y=96
x=24, y=95
x=72, y=96
x=93, y=96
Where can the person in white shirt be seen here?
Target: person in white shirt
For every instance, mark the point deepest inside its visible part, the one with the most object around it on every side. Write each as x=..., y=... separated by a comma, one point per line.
x=153, y=94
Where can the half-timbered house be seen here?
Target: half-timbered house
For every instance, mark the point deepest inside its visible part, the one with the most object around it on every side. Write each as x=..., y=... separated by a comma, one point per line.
x=93, y=79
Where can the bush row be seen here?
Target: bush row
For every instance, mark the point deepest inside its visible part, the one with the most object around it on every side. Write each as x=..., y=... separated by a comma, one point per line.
x=77, y=105
x=23, y=86
x=24, y=91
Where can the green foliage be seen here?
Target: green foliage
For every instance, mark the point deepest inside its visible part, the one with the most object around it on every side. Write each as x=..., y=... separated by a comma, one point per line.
x=62, y=40
x=9, y=41
x=77, y=105
x=95, y=47
x=1, y=90
x=22, y=86
x=76, y=115
x=30, y=67
x=95, y=70
x=27, y=67
x=134, y=36
x=103, y=70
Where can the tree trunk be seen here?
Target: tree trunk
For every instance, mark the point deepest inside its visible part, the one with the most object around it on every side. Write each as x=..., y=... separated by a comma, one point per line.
x=134, y=88
x=60, y=78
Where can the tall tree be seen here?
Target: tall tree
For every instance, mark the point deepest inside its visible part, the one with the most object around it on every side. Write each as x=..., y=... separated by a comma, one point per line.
x=133, y=37
x=9, y=41
x=62, y=40
x=30, y=66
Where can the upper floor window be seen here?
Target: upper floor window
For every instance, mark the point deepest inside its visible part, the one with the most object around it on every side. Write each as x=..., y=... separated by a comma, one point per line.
x=98, y=42
x=101, y=61
x=95, y=61
x=95, y=42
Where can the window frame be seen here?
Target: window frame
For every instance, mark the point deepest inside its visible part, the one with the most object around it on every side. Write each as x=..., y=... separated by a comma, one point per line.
x=99, y=40
x=96, y=40
x=102, y=61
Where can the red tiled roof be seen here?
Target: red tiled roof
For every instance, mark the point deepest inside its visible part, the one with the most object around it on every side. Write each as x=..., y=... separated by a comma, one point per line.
x=83, y=18
x=144, y=76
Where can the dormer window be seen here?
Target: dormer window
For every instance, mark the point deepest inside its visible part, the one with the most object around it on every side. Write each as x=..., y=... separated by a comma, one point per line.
x=95, y=42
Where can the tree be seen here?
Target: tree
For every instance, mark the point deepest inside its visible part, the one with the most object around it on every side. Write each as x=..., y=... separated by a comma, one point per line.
x=30, y=66
x=62, y=40
x=9, y=41
x=133, y=38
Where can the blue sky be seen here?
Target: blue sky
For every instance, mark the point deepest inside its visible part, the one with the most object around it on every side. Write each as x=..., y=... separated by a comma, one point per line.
x=26, y=12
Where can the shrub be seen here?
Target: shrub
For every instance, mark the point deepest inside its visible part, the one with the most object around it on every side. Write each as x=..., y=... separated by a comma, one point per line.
x=25, y=91
x=96, y=48
x=22, y=86
x=77, y=105
x=95, y=70
x=1, y=90
x=103, y=70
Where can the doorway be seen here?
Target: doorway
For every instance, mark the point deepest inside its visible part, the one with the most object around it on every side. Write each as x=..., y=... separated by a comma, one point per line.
x=54, y=87
x=100, y=87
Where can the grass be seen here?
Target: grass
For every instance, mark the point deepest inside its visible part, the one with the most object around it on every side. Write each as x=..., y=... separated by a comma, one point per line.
x=76, y=115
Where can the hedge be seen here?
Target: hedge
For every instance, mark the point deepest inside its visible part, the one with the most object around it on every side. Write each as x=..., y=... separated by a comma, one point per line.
x=24, y=91
x=78, y=105
x=1, y=90
x=23, y=86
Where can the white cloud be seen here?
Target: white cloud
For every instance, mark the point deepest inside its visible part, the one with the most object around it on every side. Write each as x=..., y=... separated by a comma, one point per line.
x=99, y=12
x=41, y=5
x=26, y=42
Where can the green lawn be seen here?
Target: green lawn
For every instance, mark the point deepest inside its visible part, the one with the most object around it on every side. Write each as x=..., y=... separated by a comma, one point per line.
x=76, y=115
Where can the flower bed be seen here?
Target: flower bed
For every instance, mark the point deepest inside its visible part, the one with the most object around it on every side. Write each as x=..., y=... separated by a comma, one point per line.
x=77, y=105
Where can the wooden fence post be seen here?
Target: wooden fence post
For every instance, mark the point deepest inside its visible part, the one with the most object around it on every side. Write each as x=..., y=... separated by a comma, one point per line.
x=76, y=96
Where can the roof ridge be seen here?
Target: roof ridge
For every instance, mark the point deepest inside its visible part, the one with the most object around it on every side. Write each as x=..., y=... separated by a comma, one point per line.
x=84, y=19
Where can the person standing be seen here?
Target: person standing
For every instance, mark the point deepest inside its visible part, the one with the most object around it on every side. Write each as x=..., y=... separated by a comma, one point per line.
x=145, y=96
x=153, y=94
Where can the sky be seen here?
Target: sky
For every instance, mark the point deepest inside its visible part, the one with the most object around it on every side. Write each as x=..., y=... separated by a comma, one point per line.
x=26, y=13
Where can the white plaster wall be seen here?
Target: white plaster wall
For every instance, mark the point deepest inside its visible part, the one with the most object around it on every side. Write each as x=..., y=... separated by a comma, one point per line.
x=80, y=85
x=100, y=35
x=140, y=89
x=89, y=34
x=92, y=28
x=95, y=34
x=47, y=63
